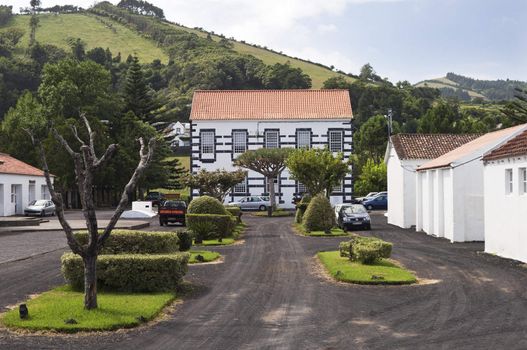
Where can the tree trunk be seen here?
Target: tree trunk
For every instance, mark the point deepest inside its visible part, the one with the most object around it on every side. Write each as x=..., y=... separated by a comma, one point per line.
x=90, y=282
x=270, y=185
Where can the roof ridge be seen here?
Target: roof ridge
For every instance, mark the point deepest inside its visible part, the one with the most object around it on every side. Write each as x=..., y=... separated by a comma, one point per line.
x=272, y=90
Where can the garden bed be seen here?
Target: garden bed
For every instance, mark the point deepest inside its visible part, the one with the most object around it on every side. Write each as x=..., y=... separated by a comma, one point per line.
x=276, y=213
x=335, y=232
x=207, y=256
x=236, y=233
x=62, y=309
x=381, y=272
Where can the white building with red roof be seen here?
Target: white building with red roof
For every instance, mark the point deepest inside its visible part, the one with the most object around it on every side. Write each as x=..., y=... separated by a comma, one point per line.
x=505, y=192
x=450, y=189
x=20, y=183
x=404, y=154
x=226, y=123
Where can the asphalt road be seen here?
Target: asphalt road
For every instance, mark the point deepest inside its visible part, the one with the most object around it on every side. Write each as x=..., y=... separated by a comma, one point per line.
x=266, y=295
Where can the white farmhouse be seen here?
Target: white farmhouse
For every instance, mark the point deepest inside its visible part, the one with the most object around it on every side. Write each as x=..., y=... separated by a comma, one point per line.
x=404, y=154
x=505, y=183
x=227, y=123
x=20, y=183
x=449, y=189
x=178, y=134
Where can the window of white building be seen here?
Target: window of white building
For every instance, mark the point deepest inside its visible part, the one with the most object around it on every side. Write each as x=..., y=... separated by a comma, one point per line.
x=207, y=142
x=239, y=142
x=339, y=187
x=523, y=180
x=241, y=187
x=335, y=138
x=301, y=188
x=509, y=181
x=272, y=139
x=303, y=139
x=44, y=192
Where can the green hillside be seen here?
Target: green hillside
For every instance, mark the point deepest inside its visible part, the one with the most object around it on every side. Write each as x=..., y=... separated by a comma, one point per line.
x=465, y=88
x=94, y=31
x=100, y=31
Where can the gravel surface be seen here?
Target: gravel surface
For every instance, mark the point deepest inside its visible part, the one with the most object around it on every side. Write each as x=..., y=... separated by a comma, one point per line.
x=267, y=295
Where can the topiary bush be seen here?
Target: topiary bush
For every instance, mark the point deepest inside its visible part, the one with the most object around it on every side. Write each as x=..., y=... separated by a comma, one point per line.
x=129, y=272
x=319, y=215
x=210, y=226
x=301, y=208
x=345, y=249
x=235, y=211
x=136, y=242
x=206, y=205
x=185, y=240
x=366, y=250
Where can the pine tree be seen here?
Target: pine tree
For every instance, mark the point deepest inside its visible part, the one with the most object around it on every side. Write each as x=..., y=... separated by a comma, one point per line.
x=137, y=94
x=176, y=174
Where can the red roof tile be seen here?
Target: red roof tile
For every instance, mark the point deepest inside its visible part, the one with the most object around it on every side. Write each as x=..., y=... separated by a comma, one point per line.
x=428, y=146
x=10, y=165
x=516, y=146
x=270, y=104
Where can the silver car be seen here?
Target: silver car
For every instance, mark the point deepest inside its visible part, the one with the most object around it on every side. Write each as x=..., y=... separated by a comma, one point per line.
x=252, y=203
x=41, y=207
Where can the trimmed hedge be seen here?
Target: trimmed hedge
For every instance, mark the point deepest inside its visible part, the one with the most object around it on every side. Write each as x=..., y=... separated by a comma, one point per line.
x=206, y=205
x=210, y=226
x=301, y=208
x=129, y=272
x=319, y=215
x=136, y=242
x=185, y=240
x=366, y=250
x=236, y=212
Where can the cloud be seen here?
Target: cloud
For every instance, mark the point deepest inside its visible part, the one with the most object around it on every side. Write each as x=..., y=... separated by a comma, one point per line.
x=327, y=28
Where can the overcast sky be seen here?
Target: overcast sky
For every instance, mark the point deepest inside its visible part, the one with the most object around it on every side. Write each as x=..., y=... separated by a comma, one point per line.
x=402, y=39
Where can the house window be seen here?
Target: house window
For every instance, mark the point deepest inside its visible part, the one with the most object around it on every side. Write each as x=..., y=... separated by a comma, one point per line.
x=44, y=192
x=338, y=188
x=301, y=188
x=523, y=180
x=272, y=138
x=239, y=142
x=335, y=138
x=241, y=187
x=508, y=181
x=303, y=139
x=276, y=187
x=207, y=142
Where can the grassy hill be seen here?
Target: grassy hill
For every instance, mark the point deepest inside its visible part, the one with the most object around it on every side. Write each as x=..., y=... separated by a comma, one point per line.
x=99, y=31
x=468, y=88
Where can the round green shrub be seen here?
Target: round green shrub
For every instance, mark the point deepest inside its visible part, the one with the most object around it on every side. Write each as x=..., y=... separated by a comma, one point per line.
x=185, y=240
x=319, y=215
x=206, y=205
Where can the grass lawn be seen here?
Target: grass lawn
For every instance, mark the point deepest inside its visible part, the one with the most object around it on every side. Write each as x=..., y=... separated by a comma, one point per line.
x=335, y=232
x=208, y=256
x=342, y=269
x=213, y=242
x=276, y=213
x=51, y=309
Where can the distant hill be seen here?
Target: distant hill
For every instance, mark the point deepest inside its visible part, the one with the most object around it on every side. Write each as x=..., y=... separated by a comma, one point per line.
x=465, y=88
x=101, y=31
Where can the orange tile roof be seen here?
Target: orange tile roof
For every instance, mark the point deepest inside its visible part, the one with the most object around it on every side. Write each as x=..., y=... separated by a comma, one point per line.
x=270, y=104
x=516, y=146
x=475, y=147
x=10, y=165
x=428, y=146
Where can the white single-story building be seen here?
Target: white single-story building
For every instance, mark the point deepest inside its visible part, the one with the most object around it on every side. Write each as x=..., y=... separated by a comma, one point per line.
x=227, y=123
x=20, y=183
x=449, y=189
x=404, y=154
x=505, y=191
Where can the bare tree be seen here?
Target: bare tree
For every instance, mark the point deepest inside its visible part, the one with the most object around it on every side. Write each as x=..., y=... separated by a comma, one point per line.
x=86, y=164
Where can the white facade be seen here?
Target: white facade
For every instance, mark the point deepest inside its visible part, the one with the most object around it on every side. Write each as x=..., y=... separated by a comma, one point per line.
x=16, y=191
x=401, y=187
x=216, y=143
x=505, y=182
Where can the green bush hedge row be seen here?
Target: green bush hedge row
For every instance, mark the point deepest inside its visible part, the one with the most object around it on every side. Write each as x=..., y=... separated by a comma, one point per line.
x=301, y=208
x=136, y=242
x=319, y=215
x=366, y=250
x=185, y=240
x=210, y=226
x=206, y=205
x=129, y=272
x=236, y=212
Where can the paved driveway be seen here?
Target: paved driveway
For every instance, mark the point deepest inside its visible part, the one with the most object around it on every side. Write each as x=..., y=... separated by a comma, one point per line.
x=266, y=296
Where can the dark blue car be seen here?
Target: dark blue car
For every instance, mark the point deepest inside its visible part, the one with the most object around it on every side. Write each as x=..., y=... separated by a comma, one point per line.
x=380, y=201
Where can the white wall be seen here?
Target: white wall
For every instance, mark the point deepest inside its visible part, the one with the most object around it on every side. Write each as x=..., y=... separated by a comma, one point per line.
x=255, y=129
x=505, y=214
x=7, y=205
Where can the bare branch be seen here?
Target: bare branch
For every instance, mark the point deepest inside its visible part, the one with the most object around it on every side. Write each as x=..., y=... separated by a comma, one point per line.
x=63, y=142
x=90, y=133
x=76, y=134
x=108, y=154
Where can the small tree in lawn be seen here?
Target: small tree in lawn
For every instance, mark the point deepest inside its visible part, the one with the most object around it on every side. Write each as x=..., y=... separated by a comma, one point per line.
x=217, y=183
x=317, y=169
x=269, y=162
x=86, y=164
x=373, y=177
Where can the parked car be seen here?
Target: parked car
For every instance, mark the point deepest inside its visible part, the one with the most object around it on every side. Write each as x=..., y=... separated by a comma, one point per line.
x=366, y=197
x=172, y=211
x=353, y=216
x=380, y=201
x=41, y=207
x=155, y=197
x=253, y=203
